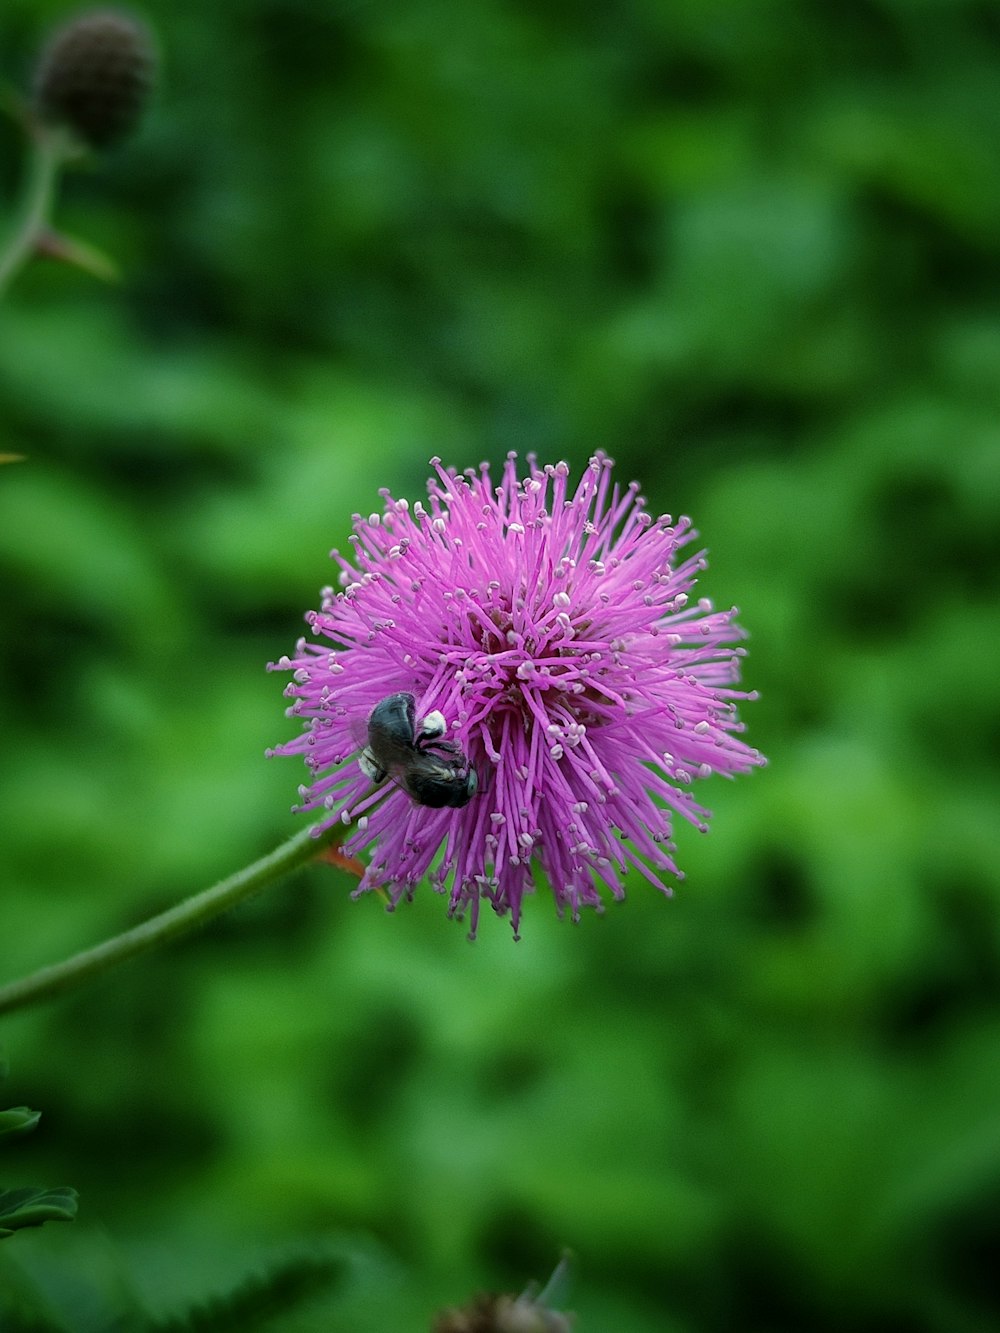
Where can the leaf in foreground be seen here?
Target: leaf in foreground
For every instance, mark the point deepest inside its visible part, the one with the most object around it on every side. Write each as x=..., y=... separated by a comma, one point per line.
x=30, y=1207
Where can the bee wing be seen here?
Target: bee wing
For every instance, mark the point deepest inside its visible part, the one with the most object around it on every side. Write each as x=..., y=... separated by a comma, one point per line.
x=387, y=760
x=369, y=765
x=359, y=730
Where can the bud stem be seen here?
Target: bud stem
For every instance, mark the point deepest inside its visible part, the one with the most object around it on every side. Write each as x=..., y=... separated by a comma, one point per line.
x=188, y=915
x=48, y=152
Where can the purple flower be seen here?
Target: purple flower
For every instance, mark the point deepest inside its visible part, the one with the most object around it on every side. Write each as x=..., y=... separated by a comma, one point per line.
x=553, y=650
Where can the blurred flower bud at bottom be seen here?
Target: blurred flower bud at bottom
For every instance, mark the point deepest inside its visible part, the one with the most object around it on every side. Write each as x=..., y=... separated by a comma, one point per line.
x=502, y=1314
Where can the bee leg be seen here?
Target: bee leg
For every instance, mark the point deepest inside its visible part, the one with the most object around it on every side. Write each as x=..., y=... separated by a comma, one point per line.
x=432, y=728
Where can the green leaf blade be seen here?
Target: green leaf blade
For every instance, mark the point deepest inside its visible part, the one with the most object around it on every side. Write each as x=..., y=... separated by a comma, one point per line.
x=18, y=1120
x=31, y=1207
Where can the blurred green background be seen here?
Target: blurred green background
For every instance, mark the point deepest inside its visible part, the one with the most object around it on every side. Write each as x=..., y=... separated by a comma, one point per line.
x=752, y=251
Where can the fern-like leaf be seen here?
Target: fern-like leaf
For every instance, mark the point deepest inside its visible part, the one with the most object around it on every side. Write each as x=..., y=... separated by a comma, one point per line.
x=258, y=1299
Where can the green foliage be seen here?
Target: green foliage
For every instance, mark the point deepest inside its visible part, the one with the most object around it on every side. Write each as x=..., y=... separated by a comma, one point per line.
x=94, y=1287
x=18, y=1120
x=258, y=1300
x=29, y=1206
x=753, y=251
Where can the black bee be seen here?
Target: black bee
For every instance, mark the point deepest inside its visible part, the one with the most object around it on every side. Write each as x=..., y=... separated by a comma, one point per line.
x=432, y=771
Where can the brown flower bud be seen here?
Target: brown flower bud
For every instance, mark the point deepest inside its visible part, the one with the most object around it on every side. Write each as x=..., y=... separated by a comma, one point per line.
x=94, y=76
x=487, y=1313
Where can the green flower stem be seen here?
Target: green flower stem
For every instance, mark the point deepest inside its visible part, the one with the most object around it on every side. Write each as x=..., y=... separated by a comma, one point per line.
x=48, y=152
x=59, y=977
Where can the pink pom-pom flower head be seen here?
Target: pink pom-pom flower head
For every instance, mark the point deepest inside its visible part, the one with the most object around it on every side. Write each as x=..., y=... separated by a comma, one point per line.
x=562, y=683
